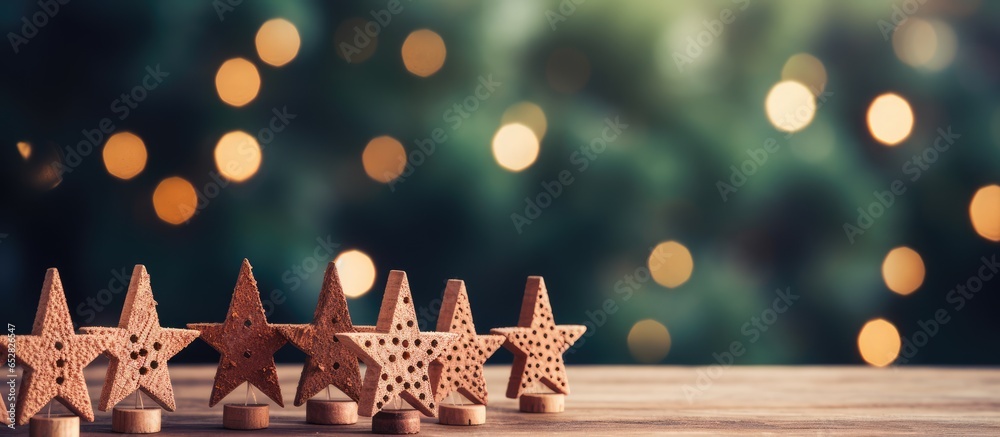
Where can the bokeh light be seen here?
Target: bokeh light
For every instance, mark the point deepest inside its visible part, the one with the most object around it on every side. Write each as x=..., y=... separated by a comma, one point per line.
x=237, y=156
x=175, y=200
x=903, y=270
x=984, y=211
x=890, y=119
x=790, y=106
x=353, y=43
x=649, y=341
x=670, y=264
x=277, y=42
x=924, y=44
x=124, y=155
x=357, y=272
x=384, y=158
x=528, y=114
x=423, y=52
x=237, y=82
x=567, y=70
x=24, y=148
x=515, y=147
x=879, y=343
x=807, y=70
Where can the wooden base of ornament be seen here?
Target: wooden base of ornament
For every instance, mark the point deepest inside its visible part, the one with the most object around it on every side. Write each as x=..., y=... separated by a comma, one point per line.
x=543, y=403
x=246, y=416
x=396, y=422
x=331, y=412
x=135, y=420
x=55, y=426
x=452, y=414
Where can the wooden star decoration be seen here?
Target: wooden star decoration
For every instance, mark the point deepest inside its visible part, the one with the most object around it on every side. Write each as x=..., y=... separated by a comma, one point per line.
x=461, y=368
x=139, y=348
x=538, y=343
x=328, y=361
x=246, y=342
x=397, y=354
x=54, y=357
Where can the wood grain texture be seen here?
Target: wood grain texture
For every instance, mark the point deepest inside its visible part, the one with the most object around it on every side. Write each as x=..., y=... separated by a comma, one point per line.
x=328, y=361
x=461, y=367
x=397, y=353
x=55, y=356
x=538, y=344
x=641, y=400
x=245, y=341
x=139, y=348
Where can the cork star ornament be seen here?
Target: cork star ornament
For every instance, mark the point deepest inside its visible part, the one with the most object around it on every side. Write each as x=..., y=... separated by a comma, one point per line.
x=139, y=348
x=328, y=360
x=54, y=357
x=460, y=368
x=245, y=341
x=397, y=354
x=538, y=343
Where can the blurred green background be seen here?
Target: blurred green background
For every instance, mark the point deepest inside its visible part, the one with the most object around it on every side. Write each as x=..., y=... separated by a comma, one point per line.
x=698, y=89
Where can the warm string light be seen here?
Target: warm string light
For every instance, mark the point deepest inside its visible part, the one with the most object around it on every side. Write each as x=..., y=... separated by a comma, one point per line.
x=357, y=272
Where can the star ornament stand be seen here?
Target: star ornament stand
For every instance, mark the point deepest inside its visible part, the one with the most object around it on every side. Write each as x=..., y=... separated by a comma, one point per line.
x=246, y=343
x=138, y=350
x=460, y=369
x=538, y=345
x=398, y=358
x=329, y=362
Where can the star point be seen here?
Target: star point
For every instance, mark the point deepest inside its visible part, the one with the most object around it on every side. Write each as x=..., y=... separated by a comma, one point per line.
x=538, y=343
x=397, y=354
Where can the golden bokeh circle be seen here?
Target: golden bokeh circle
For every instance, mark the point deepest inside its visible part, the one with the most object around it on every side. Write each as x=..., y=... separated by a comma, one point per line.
x=528, y=114
x=357, y=272
x=384, y=159
x=424, y=52
x=670, y=264
x=879, y=343
x=649, y=341
x=238, y=156
x=984, y=211
x=237, y=82
x=124, y=155
x=790, y=106
x=175, y=200
x=903, y=270
x=515, y=147
x=890, y=119
x=277, y=42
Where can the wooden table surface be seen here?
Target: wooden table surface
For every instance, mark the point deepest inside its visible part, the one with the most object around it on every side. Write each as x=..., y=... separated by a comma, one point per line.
x=645, y=400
